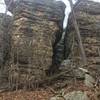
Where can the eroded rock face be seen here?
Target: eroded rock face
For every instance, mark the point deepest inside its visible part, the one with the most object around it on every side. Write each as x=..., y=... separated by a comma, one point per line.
x=37, y=26
x=89, y=81
x=5, y=38
x=88, y=18
x=5, y=25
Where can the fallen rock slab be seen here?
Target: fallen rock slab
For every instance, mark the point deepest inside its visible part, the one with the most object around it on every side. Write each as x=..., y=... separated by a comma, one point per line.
x=76, y=95
x=89, y=81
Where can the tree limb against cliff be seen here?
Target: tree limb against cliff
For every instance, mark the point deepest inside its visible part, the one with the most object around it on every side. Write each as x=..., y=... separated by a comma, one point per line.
x=78, y=33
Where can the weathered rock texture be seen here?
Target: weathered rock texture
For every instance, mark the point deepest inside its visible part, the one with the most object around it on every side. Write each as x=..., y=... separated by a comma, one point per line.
x=88, y=17
x=37, y=27
x=5, y=25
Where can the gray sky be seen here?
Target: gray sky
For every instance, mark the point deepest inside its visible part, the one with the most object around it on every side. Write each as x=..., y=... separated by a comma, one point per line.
x=3, y=7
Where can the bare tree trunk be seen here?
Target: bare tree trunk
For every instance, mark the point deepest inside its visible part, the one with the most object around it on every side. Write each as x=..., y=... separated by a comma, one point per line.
x=78, y=34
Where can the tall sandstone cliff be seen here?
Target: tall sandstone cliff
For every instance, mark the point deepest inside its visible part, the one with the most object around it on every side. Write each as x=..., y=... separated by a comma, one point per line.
x=88, y=17
x=37, y=28
x=5, y=25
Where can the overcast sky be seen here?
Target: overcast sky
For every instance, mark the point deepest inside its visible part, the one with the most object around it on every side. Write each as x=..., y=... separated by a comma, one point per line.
x=67, y=10
x=3, y=7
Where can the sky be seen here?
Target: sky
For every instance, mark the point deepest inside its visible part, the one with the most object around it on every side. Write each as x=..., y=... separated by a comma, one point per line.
x=67, y=10
x=3, y=7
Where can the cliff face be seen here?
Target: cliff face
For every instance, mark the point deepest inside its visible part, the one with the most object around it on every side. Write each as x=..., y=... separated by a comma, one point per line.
x=36, y=35
x=37, y=27
x=4, y=38
x=88, y=17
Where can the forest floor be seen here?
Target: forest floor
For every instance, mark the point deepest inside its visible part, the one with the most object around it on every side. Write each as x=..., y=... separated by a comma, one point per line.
x=48, y=92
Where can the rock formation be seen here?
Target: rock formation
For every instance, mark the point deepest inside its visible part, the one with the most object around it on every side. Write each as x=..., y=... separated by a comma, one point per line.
x=37, y=28
x=88, y=17
x=5, y=25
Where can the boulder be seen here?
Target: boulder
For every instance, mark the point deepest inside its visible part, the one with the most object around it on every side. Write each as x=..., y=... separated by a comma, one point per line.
x=37, y=27
x=5, y=38
x=56, y=98
x=88, y=17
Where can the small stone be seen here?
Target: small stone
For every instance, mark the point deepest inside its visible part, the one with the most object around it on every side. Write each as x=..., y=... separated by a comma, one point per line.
x=79, y=74
x=66, y=64
x=89, y=80
x=56, y=98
